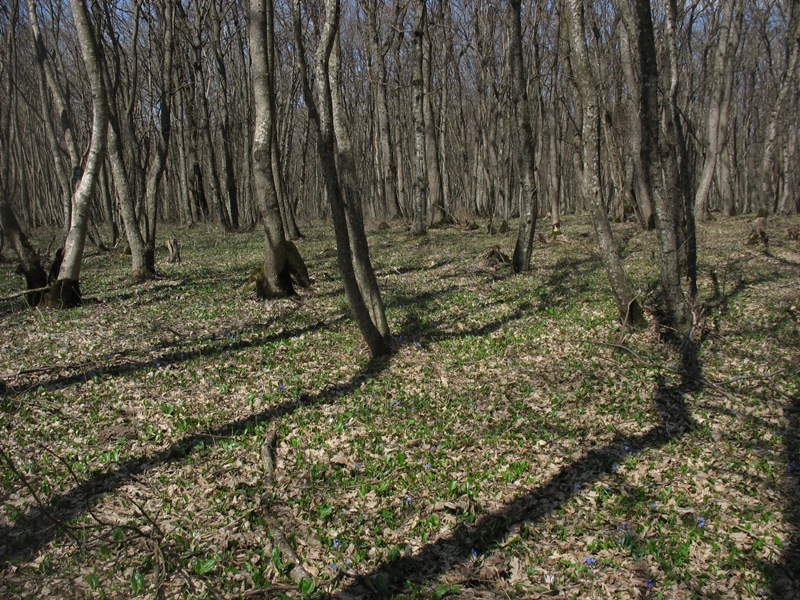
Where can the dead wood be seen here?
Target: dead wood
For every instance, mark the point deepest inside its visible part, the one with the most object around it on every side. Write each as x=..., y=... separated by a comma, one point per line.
x=293, y=563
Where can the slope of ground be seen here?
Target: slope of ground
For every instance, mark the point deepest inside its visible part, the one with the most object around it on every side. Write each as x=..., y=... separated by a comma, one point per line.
x=516, y=445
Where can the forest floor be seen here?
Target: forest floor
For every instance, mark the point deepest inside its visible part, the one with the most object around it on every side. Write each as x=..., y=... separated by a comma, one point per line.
x=518, y=444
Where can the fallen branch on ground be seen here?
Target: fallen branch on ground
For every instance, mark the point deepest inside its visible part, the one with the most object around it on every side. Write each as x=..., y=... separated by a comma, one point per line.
x=295, y=567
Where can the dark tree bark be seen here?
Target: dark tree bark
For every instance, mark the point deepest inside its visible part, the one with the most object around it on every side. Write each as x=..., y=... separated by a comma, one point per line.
x=30, y=265
x=420, y=188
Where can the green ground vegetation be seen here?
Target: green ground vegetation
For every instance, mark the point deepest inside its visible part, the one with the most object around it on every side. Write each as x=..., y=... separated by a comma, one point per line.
x=517, y=443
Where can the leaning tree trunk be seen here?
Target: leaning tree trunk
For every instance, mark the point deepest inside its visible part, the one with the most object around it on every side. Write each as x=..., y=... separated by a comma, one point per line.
x=529, y=208
x=65, y=292
x=345, y=165
x=335, y=155
x=630, y=311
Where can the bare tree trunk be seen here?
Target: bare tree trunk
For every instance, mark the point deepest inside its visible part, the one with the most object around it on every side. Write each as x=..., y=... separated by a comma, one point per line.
x=339, y=176
x=420, y=224
x=161, y=135
x=637, y=136
x=672, y=201
x=385, y=155
x=769, y=195
x=630, y=311
x=30, y=265
x=277, y=280
x=66, y=291
x=63, y=112
x=225, y=125
x=529, y=206
x=716, y=117
x=436, y=208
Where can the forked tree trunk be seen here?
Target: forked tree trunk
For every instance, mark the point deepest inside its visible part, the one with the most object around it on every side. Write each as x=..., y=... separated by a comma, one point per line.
x=65, y=292
x=333, y=144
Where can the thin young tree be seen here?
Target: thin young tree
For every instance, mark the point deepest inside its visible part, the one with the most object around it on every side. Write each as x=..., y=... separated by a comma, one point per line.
x=326, y=110
x=529, y=207
x=420, y=188
x=630, y=310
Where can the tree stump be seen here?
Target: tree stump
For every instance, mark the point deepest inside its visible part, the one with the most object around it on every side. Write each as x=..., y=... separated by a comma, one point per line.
x=174, y=251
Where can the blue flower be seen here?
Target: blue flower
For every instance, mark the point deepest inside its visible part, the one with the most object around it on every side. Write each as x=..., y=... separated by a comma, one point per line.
x=627, y=448
x=649, y=583
x=409, y=500
x=701, y=522
x=474, y=553
x=589, y=561
x=336, y=543
x=614, y=468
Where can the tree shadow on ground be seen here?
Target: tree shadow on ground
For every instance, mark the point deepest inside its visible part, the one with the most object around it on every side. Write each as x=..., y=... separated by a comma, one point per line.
x=785, y=571
x=42, y=523
x=203, y=346
x=391, y=578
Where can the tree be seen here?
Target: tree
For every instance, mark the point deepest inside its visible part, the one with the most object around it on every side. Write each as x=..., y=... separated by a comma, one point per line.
x=65, y=292
x=769, y=195
x=385, y=160
x=282, y=260
x=334, y=146
x=630, y=310
x=719, y=107
x=529, y=208
x=420, y=187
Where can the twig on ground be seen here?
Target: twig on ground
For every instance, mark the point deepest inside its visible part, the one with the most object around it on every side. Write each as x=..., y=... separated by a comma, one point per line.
x=68, y=529
x=19, y=294
x=296, y=571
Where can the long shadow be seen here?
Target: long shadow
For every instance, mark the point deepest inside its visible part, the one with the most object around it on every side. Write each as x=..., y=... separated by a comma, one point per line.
x=40, y=525
x=174, y=355
x=785, y=571
x=439, y=557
